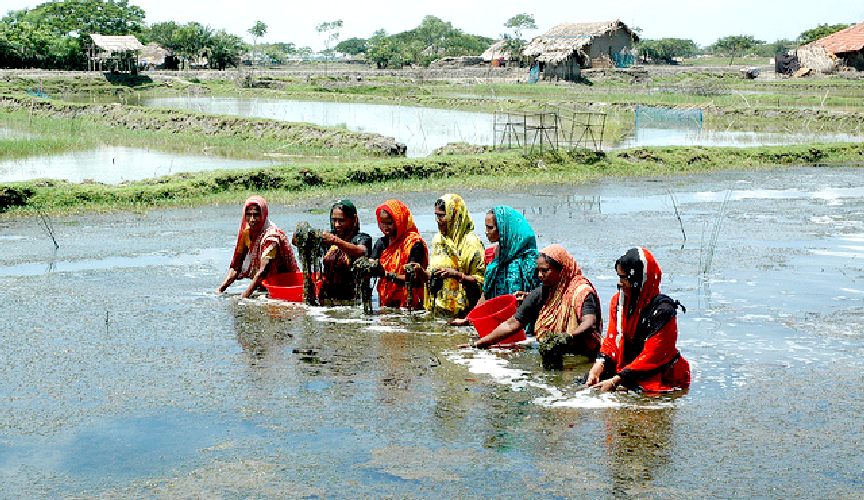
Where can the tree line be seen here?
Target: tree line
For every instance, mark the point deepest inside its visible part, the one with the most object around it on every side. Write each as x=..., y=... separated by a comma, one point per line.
x=55, y=34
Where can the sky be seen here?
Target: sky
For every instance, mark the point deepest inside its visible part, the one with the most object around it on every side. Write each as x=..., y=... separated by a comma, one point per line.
x=703, y=22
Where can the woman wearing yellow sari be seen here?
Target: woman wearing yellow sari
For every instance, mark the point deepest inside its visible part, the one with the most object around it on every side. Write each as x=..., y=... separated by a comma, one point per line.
x=456, y=265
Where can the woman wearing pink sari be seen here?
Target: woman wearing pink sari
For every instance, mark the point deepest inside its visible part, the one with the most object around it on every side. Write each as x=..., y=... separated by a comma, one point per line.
x=262, y=248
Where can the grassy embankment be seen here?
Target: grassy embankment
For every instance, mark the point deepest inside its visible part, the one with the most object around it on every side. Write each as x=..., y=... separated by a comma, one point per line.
x=496, y=170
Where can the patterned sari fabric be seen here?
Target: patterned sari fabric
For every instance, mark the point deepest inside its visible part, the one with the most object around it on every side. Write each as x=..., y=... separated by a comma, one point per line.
x=456, y=248
x=397, y=254
x=513, y=268
x=337, y=278
x=257, y=246
x=562, y=312
x=643, y=330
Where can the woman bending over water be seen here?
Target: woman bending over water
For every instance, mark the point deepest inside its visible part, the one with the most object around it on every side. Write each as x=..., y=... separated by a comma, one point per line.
x=566, y=304
x=262, y=249
x=639, y=349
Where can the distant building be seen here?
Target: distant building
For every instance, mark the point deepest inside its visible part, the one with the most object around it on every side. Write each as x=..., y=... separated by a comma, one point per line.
x=564, y=50
x=113, y=53
x=841, y=50
x=154, y=56
x=498, y=53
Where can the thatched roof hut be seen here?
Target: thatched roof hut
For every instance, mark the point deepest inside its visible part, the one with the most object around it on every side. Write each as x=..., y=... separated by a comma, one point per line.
x=585, y=44
x=497, y=51
x=844, y=48
x=113, y=52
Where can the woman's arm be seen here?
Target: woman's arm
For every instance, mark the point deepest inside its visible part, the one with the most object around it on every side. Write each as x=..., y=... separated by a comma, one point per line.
x=500, y=332
x=229, y=278
x=346, y=246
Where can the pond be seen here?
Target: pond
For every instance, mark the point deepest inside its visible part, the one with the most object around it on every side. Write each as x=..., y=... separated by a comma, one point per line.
x=422, y=130
x=113, y=165
x=124, y=374
x=731, y=138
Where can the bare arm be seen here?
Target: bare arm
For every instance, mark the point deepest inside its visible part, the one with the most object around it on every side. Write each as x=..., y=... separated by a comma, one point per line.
x=349, y=248
x=256, y=280
x=229, y=278
x=500, y=332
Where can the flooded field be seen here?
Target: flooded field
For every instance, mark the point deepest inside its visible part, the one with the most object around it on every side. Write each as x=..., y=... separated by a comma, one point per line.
x=706, y=137
x=113, y=165
x=421, y=129
x=125, y=375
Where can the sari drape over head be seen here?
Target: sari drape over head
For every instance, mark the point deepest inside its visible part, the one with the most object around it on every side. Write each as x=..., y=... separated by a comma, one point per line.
x=338, y=279
x=514, y=266
x=397, y=254
x=257, y=246
x=643, y=329
x=457, y=247
x=562, y=312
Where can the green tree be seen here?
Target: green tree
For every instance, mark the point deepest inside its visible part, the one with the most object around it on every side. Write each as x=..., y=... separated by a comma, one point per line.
x=820, y=31
x=734, y=45
x=257, y=31
x=330, y=31
x=190, y=41
x=225, y=49
x=352, y=46
x=520, y=22
x=667, y=49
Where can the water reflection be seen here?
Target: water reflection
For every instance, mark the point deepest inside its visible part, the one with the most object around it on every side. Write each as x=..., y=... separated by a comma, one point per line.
x=113, y=165
x=705, y=137
x=421, y=129
x=639, y=444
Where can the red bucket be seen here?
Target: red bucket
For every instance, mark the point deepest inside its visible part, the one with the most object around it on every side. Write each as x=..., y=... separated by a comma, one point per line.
x=288, y=286
x=488, y=315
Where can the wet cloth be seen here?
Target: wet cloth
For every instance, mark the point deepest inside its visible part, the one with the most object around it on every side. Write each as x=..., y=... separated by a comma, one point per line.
x=265, y=243
x=643, y=331
x=563, y=309
x=337, y=277
x=397, y=253
x=514, y=267
x=457, y=247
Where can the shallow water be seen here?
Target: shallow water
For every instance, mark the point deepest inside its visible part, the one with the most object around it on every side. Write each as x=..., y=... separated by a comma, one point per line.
x=706, y=137
x=113, y=165
x=125, y=375
x=422, y=130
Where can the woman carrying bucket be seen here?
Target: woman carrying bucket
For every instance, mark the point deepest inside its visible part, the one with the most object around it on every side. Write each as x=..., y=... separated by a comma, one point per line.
x=262, y=248
x=565, y=309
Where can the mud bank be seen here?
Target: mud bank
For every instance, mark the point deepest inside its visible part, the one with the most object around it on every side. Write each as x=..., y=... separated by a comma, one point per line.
x=175, y=121
x=481, y=170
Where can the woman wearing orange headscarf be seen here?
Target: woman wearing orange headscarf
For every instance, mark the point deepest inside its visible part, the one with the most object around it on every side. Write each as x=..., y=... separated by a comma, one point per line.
x=565, y=303
x=400, y=245
x=639, y=350
x=262, y=248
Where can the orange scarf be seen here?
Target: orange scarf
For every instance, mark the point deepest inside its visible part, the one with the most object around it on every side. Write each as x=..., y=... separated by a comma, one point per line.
x=396, y=255
x=562, y=311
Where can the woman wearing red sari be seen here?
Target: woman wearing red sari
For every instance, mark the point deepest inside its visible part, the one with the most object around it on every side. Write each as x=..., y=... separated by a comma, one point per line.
x=262, y=248
x=639, y=350
x=400, y=245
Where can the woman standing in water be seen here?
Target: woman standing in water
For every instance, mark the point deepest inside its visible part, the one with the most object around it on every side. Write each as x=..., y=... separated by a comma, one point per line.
x=456, y=266
x=565, y=306
x=262, y=248
x=400, y=245
x=513, y=267
x=343, y=245
x=639, y=350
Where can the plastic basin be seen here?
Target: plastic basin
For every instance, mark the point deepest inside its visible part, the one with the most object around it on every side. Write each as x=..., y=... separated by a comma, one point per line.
x=488, y=315
x=288, y=286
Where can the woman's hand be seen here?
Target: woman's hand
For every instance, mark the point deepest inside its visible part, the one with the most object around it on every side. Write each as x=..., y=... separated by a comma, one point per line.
x=330, y=238
x=610, y=384
x=446, y=272
x=520, y=296
x=594, y=373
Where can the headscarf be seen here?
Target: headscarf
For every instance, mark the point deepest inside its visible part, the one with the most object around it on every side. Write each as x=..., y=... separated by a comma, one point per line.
x=513, y=268
x=338, y=278
x=457, y=247
x=397, y=253
x=562, y=311
x=644, y=275
x=265, y=242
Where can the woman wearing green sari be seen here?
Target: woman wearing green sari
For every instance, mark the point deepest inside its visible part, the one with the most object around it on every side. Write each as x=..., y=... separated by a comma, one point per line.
x=513, y=268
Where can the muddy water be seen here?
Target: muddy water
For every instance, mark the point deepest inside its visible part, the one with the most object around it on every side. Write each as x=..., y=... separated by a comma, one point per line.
x=124, y=375
x=421, y=129
x=113, y=165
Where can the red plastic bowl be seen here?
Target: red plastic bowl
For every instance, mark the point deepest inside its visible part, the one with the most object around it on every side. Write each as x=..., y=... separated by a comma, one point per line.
x=288, y=286
x=488, y=315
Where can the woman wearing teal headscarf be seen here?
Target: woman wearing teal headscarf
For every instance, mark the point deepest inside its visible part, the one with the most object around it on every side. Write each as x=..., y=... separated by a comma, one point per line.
x=512, y=269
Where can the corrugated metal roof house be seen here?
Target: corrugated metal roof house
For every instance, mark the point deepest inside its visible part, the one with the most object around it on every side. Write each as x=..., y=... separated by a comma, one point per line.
x=562, y=51
x=838, y=50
